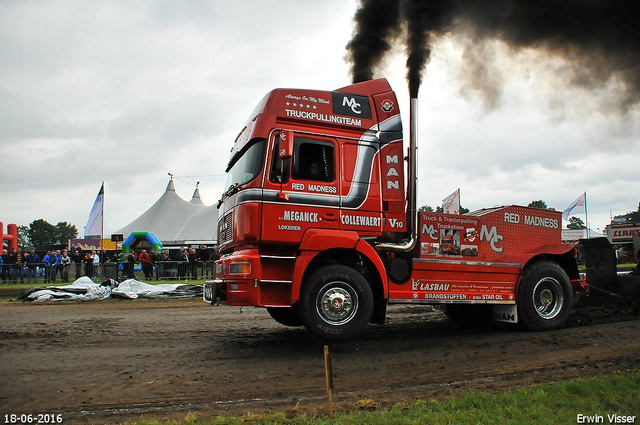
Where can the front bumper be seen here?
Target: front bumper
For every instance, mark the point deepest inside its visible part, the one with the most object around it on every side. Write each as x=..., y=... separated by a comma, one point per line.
x=262, y=281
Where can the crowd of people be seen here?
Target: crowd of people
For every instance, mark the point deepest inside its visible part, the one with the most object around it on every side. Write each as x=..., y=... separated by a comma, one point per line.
x=183, y=265
x=17, y=266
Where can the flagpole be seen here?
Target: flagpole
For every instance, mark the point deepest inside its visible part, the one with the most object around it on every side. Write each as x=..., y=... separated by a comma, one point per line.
x=586, y=212
x=102, y=221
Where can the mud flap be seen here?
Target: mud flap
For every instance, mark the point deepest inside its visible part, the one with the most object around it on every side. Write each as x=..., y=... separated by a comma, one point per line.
x=507, y=313
x=600, y=261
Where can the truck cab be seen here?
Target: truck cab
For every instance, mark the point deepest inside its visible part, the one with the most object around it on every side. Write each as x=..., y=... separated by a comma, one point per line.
x=308, y=167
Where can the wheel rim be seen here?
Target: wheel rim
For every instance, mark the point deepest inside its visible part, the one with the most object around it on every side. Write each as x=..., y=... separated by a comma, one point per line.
x=548, y=298
x=337, y=303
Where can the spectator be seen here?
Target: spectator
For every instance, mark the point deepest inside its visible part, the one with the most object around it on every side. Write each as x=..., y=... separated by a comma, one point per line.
x=65, y=263
x=182, y=257
x=17, y=259
x=5, y=265
x=153, y=257
x=77, y=259
x=46, y=267
x=32, y=261
x=96, y=262
x=203, y=255
x=58, y=266
x=193, y=263
x=160, y=269
x=130, y=260
x=51, y=263
x=145, y=263
x=88, y=265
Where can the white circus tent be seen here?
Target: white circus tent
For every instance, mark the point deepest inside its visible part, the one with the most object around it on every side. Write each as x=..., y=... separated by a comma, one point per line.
x=175, y=221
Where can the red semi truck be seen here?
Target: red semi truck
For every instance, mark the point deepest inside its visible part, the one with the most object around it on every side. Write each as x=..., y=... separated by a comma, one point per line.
x=315, y=225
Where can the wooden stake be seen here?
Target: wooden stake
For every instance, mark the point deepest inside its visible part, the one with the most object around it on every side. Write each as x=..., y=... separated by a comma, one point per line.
x=329, y=375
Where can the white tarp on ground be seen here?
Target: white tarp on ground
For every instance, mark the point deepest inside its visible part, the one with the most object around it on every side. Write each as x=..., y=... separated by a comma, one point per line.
x=84, y=289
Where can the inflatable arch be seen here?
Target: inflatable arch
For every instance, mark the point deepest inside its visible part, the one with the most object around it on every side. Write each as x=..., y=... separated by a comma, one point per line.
x=136, y=237
x=11, y=236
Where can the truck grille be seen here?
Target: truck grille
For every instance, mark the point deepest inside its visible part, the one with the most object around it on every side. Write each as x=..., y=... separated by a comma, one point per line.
x=225, y=229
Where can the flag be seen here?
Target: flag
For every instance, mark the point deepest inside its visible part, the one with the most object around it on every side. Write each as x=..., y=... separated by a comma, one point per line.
x=94, y=225
x=578, y=206
x=451, y=204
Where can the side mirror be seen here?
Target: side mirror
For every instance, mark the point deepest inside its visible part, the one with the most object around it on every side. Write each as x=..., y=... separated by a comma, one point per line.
x=286, y=144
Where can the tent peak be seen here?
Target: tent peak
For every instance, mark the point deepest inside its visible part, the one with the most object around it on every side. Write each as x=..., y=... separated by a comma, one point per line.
x=195, y=199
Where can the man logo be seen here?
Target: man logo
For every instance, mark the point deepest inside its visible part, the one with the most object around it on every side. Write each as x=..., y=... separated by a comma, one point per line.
x=351, y=103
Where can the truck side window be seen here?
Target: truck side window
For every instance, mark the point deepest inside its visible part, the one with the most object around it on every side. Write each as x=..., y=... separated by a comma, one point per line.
x=279, y=172
x=313, y=160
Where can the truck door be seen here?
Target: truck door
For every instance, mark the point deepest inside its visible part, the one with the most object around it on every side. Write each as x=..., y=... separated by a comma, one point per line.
x=361, y=208
x=301, y=188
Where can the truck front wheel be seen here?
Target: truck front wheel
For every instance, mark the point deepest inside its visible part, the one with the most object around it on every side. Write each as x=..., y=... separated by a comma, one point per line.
x=545, y=297
x=336, y=302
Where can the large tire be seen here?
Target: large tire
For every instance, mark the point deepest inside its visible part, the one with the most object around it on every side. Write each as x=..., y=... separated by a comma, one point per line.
x=287, y=316
x=336, y=302
x=545, y=297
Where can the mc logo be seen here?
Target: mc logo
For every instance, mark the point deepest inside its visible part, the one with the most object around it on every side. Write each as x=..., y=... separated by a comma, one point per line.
x=431, y=231
x=492, y=236
x=351, y=103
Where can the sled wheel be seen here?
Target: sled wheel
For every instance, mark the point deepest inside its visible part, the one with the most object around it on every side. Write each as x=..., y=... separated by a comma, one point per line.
x=336, y=302
x=287, y=316
x=545, y=297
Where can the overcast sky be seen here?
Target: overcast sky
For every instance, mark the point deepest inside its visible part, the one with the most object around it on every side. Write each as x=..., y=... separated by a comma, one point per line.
x=127, y=92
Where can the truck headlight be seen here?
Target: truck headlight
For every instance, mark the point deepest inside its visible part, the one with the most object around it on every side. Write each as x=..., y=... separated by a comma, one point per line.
x=239, y=268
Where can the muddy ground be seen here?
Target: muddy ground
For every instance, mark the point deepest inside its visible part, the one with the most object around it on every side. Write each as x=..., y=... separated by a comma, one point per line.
x=119, y=360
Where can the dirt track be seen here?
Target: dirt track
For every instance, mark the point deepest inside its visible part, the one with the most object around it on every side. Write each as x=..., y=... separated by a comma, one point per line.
x=111, y=361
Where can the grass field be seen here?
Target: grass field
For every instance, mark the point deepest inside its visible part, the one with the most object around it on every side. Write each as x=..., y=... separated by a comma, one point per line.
x=605, y=399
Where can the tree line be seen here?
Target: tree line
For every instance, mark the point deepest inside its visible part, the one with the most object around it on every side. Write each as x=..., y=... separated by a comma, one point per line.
x=41, y=232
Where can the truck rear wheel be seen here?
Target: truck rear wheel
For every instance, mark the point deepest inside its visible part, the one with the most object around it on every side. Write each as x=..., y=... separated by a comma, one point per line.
x=287, y=316
x=336, y=302
x=545, y=297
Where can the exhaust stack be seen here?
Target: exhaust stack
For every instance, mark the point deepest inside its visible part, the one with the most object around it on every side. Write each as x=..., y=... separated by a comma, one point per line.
x=412, y=187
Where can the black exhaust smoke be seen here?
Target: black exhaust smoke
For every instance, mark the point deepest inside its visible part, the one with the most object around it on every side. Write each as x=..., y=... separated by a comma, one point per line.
x=599, y=38
x=377, y=25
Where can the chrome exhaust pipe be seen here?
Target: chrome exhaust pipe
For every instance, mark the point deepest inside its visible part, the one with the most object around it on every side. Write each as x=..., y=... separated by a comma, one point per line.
x=412, y=187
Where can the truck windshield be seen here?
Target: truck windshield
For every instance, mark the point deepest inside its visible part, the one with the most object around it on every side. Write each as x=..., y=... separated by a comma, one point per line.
x=247, y=166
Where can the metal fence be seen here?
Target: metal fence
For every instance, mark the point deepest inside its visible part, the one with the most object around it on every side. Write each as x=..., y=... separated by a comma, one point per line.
x=62, y=273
